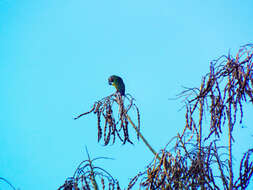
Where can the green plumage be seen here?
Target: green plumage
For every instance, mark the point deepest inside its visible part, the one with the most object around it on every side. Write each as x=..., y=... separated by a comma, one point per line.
x=118, y=83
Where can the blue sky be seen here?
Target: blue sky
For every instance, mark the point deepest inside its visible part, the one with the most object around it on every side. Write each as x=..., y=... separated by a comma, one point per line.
x=56, y=56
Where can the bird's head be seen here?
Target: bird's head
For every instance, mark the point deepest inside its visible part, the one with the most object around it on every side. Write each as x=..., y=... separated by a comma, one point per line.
x=111, y=80
x=118, y=83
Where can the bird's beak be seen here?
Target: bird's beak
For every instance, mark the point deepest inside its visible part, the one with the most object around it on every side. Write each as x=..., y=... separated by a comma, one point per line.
x=110, y=81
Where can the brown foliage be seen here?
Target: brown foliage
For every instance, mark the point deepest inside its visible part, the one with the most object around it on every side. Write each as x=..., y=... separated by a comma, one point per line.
x=113, y=126
x=86, y=175
x=197, y=162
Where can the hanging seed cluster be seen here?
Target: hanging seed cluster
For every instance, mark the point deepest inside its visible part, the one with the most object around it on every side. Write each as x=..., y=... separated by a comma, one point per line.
x=112, y=121
x=187, y=170
x=246, y=170
x=69, y=184
x=90, y=177
x=222, y=93
x=184, y=170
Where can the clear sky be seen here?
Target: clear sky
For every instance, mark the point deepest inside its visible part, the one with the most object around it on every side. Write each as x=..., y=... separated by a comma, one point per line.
x=56, y=57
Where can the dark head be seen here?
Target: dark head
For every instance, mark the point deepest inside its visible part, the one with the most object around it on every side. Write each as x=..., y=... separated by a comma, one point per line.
x=111, y=79
x=118, y=83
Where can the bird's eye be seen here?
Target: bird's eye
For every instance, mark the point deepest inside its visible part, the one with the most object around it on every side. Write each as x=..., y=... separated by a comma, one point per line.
x=110, y=80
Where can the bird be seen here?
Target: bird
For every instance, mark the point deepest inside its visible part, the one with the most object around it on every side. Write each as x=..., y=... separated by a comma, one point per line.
x=118, y=83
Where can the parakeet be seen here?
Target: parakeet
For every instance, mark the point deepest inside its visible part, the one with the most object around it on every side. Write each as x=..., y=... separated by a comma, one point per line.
x=118, y=83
